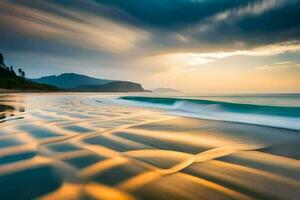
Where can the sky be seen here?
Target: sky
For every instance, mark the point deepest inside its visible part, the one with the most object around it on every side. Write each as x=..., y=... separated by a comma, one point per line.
x=199, y=46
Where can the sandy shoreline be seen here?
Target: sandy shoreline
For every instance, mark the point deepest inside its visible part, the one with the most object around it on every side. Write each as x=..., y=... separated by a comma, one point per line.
x=68, y=144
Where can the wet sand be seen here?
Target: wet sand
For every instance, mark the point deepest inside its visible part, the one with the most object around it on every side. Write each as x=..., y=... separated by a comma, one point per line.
x=62, y=146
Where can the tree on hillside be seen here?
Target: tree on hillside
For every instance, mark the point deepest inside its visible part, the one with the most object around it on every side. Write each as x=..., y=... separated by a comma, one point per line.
x=1, y=59
x=21, y=73
x=2, y=65
x=12, y=70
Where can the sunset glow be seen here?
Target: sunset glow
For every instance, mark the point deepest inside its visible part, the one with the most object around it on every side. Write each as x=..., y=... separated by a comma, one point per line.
x=214, y=51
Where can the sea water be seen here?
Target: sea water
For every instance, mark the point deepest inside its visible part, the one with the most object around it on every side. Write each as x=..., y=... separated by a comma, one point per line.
x=276, y=110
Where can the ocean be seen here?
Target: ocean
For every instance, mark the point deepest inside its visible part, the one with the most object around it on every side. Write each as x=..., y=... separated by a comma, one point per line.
x=149, y=146
x=276, y=110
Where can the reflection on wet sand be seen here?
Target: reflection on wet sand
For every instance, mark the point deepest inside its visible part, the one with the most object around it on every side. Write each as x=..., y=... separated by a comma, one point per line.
x=9, y=107
x=72, y=147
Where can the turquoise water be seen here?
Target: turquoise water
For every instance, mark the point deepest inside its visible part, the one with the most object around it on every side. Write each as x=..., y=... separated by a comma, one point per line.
x=276, y=110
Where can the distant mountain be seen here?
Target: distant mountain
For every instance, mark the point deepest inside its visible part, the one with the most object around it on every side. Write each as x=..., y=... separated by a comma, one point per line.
x=70, y=80
x=9, y=80
x=82, y=83
x=65, y=82
x=114, y=86
x=165, y=90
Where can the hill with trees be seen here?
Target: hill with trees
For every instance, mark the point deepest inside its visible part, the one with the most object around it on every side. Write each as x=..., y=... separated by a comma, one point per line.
x=70, y=80
x=10, y=80
x=82, y=83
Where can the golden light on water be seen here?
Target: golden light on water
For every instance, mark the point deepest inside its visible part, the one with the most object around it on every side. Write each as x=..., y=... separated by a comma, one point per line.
x=138, y=153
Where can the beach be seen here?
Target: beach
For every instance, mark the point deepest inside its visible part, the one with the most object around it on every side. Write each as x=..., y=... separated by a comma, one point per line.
x=99, y=146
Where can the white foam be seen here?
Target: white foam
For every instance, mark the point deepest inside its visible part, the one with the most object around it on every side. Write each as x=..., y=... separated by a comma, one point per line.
x=215, y=112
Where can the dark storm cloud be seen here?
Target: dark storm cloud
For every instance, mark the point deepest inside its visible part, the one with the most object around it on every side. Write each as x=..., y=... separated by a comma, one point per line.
x=253, y=22
x=164, y=14
x=257, y=24
x=277, y=25
x=161, y=14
